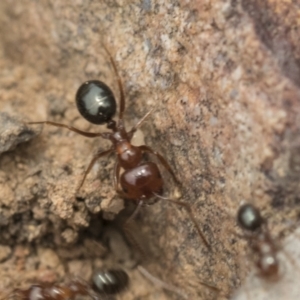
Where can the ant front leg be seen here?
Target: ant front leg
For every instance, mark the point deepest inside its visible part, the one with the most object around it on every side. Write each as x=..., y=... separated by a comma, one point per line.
x=71, y=128
x=162, y=160
x=94, y=159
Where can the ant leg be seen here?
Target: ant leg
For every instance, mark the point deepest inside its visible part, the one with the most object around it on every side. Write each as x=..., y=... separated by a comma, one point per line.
x=128, y=232
x=122, y=95
x=291, y=260
x=116, y=177
x=246, y=287
x=94, y=159
x=158, y=282
x=84, y=133
x=139, y=123
x=162, y=161
x=189, y=211
x=135, y=212
x=213, y=288
x=121, y=194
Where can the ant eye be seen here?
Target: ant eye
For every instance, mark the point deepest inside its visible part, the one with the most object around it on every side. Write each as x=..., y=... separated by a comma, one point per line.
x=249, y=217
x=96, y=102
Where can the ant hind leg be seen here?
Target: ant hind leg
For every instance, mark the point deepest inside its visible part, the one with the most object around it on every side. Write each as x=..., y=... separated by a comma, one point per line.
x=189, y=211
x=158, y=282
x=130, y=236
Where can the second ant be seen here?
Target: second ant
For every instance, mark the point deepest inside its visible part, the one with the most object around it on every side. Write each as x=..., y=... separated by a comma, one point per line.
x=271, y=257
x=140, y=180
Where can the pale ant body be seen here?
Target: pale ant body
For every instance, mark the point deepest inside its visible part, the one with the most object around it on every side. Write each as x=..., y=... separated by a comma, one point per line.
x=276, y=269
x=140, y=180
x=261, y=243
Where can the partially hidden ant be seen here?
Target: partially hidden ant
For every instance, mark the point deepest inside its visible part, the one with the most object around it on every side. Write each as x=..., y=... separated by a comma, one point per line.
x=104, y=282
x=276, y=278
x=262, y=244
x=140, y=180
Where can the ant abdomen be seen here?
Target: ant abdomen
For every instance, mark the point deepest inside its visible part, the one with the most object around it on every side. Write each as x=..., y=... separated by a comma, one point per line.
x=110, y=281
x=142, y=181
x=96, y=102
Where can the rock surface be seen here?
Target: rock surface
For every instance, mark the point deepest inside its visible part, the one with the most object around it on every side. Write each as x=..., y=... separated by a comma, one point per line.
x=223, y=77
x=13, y=132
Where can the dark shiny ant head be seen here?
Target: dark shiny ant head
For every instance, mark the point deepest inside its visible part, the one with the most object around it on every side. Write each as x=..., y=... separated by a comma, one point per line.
x=249, y=218
x=110, y=281
x=96, y=102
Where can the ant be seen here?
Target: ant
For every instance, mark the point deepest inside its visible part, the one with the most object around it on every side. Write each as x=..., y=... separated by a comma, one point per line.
x=105, y=282
x=260, y=240
x=263, y=246
x=268, y=258
x=140, y=180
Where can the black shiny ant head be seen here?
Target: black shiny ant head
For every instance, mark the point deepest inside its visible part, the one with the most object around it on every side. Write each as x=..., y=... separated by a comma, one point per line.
x=249, y=217
x=96, y=102
x=111, y=281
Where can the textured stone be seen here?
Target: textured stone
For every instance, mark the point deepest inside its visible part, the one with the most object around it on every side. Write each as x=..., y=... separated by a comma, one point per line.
x=5, y=252
x=13, y=132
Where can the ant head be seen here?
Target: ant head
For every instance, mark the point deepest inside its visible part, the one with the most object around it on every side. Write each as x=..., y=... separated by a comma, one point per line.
x=96, y=102
x=249, y=218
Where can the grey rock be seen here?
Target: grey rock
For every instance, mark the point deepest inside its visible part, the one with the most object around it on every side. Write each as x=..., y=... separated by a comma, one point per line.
x=13, y=132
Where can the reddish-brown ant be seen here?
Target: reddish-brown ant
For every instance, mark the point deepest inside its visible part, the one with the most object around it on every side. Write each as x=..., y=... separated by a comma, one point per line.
x=106, y=282
x=140, y=180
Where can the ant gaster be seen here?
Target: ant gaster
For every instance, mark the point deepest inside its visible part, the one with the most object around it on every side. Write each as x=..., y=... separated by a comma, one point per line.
x=111, y=281
x=140, y=180
x=261, y=243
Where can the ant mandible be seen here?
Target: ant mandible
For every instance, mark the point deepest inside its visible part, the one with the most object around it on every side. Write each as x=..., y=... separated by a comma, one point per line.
x=140, y=180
